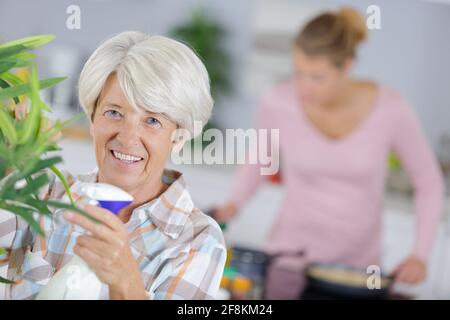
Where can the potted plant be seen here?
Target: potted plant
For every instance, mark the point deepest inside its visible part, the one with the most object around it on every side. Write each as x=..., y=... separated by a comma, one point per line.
x=27, y=137
x=205, y=37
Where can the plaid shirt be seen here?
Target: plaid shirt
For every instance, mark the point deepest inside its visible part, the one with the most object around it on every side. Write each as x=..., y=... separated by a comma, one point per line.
x=180, y=251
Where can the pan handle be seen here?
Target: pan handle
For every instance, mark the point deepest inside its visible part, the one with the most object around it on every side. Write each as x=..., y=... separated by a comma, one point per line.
x=272, y=257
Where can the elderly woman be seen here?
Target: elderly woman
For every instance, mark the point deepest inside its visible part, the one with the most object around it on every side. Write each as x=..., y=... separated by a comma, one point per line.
x=137, y=90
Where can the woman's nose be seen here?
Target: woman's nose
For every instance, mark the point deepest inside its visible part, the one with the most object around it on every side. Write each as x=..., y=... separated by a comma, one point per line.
x=129, y=133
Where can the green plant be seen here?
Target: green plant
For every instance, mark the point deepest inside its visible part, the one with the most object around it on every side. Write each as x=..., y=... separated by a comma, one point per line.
x=206, y=38
x=25, y=141
x=394, y=163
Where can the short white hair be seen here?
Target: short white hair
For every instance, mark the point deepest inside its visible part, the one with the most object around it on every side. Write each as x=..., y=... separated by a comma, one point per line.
x=156, y=73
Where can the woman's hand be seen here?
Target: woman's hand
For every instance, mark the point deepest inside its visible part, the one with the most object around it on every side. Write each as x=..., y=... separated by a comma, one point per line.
x=225, y=213
x=413, y=270
x=106, y=250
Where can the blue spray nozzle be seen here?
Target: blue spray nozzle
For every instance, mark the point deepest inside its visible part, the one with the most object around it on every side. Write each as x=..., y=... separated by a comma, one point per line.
x=108, y=196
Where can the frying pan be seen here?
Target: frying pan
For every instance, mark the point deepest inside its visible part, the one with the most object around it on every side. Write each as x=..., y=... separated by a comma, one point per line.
x=338, y=281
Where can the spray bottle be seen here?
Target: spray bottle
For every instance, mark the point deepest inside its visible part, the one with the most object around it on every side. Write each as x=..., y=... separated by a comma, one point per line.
x=76, y=280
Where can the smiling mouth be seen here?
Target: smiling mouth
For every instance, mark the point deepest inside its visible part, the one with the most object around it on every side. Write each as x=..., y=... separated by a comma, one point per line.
x=125, y=158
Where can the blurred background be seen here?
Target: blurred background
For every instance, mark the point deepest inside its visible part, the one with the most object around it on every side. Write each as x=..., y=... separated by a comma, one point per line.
x=246, y=46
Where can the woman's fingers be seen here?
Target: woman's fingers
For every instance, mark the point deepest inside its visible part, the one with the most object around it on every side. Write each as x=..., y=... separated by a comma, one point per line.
x=91, y=258
x=105, y=216
x=97, y=246
x=98, y=229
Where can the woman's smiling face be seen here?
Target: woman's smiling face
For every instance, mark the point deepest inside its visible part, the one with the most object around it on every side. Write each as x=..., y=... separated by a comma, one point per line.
x=131, y=144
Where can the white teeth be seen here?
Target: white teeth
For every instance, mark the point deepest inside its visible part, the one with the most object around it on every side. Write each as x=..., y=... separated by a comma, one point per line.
x=125, y=157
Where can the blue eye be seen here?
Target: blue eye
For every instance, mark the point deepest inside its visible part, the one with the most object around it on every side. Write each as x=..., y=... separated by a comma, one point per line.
x=153, y=121
x=112, y=113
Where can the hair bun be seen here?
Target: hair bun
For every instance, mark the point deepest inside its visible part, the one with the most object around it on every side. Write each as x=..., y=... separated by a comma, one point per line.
x=355, y=21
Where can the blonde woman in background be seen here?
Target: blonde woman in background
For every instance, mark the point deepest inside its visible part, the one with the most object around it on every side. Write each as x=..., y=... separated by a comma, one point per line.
x=336, y=133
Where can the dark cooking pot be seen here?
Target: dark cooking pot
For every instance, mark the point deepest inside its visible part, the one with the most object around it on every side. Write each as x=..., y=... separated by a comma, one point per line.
x=323, y=281
x=254, y=265
x=337, y=281
x=249, y=261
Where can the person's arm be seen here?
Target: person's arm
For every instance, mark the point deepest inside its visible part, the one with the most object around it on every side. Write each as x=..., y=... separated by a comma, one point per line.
x=423, y=171
x=249, y=176
x=196, y=273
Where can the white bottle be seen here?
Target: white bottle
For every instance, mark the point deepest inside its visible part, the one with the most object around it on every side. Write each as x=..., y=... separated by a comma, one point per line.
x=76, y=280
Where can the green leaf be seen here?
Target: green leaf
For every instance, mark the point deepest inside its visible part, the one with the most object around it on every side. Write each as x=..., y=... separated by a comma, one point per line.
x=26, y=88
x=64, y=182
x=6, y=65
x=62, y=205
x=26, y=214
x=32, y=120
x=40, y=206
x=30, y=42
x=34, y=185
x=39, y=165
x=53, y=147
x=45, y=107
x=23, y=63
x=4, y=85
x=2, y=167
x=11, y=78
x=4, y=280
x=7, y=126
x=6, y=52
x=25, y=56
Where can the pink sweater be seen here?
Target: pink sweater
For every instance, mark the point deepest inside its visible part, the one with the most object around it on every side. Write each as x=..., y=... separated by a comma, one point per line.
x=332, y=208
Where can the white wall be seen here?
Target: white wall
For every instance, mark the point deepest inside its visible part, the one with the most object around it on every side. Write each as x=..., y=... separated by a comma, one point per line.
x=411, y=52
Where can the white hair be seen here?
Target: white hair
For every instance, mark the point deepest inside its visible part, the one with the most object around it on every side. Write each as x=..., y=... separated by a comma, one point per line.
x=155, y=73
